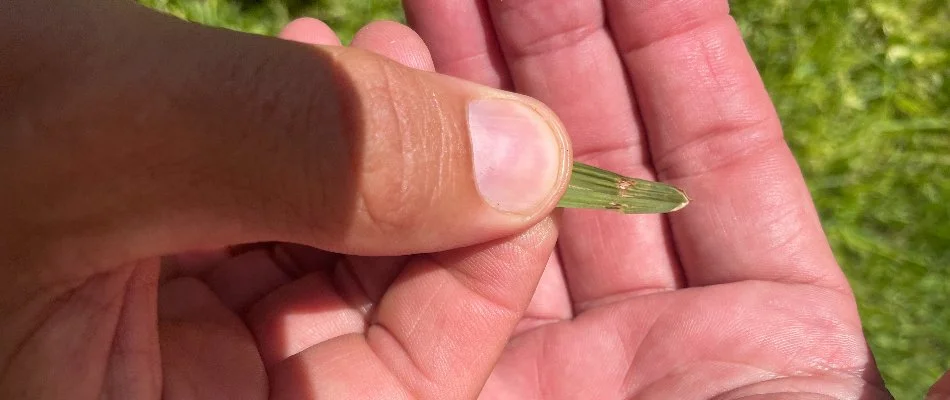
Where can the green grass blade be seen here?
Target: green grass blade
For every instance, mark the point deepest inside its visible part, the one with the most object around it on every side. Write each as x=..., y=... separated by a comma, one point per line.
x=594, y=188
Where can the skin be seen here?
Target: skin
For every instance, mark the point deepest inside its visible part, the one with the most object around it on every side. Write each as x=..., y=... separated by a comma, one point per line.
x=736, y=296
x=128, y=136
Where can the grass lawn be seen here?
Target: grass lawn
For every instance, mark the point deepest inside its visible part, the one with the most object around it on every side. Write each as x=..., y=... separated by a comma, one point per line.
x=863, y=88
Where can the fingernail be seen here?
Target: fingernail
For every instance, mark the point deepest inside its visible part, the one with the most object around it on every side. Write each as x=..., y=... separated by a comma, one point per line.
x=516, y=154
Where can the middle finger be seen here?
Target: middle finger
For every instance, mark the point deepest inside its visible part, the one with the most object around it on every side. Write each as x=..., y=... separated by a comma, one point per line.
x=562, y=54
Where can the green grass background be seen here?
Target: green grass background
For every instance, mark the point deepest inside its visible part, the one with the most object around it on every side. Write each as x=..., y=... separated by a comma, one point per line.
x=863, y=88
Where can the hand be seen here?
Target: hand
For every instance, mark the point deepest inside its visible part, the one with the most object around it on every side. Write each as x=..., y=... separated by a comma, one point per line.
x=736, y=296
x=126, y=136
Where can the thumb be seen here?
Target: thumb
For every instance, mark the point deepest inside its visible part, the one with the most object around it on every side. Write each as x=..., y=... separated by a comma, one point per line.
x=164, y=136
x=428, y=162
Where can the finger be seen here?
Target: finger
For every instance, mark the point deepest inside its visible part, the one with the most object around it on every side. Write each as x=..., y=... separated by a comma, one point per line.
x=449, y=317
x=440, y=327
x=396, y=42
x=374, y=275
x=206, y=351
x=310, y=30
x=346, y=368
x=562, y=54
x=135, y=343
x=714, y=132
x=319, y=306
x=246, y=276
x=460, y=36
x=551, y=302
x=465, y=45
x=331, y=147
x=243, y=280
x=309, y=311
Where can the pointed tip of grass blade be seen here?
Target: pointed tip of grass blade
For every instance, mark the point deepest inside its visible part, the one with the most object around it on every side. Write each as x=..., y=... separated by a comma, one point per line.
x=594, y=188
x=685, y=201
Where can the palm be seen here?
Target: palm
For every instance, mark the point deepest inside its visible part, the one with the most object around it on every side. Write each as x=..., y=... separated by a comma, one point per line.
x=696, y=343
x=738, y=293
x=747, y=337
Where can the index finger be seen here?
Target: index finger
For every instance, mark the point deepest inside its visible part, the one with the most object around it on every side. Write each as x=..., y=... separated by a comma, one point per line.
x=713, y=131
x=436, y=333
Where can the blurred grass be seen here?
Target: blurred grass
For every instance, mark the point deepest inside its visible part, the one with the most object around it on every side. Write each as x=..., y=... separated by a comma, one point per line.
x=268, y=16
x=863, y=88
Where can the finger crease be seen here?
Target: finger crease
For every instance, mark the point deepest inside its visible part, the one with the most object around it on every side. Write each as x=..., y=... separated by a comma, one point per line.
x=619, y=297
x=558, y=41
x=703, y=154
x=633, y=46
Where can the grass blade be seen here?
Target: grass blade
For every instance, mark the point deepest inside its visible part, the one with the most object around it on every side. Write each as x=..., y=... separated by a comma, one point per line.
x=594, y=188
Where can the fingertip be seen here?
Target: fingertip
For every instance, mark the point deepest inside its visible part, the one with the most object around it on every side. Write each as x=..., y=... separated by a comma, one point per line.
x=395, y=41
x=310, y=31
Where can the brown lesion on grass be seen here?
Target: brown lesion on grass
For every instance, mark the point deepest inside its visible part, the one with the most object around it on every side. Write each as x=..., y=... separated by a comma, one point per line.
x=623, y=185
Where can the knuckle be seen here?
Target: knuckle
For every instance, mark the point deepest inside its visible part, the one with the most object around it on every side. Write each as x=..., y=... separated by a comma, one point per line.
x=400, y=146
x=397, y=193
x=389, y=216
